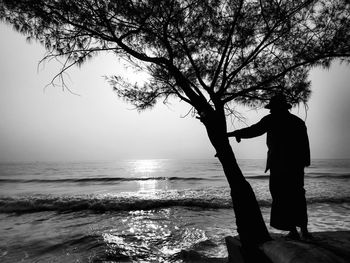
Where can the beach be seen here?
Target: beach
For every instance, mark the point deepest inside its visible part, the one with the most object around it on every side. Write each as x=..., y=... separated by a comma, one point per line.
x=144, y=210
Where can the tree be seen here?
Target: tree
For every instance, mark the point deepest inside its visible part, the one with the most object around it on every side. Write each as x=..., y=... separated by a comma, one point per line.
x=212, y=54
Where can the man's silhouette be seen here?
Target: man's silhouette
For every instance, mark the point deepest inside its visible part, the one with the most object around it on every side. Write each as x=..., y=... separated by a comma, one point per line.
x=288, y=155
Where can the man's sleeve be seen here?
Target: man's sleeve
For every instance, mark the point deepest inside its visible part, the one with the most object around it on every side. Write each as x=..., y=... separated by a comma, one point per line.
x=255, y=130
x=307, y=160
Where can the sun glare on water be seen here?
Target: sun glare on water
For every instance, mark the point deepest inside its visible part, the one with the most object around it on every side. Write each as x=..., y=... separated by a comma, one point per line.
x=148, y=171
x=147, y=167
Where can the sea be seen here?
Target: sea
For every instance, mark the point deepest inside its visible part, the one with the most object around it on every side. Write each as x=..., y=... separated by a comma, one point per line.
x=156, y=210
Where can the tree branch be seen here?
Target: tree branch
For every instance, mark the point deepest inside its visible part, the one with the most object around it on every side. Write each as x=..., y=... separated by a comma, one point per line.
x=227, y=44
x=262, y=85
x=189, y=56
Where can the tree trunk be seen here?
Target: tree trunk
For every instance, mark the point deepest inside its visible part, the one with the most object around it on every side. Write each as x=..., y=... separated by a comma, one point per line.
x=250, y=223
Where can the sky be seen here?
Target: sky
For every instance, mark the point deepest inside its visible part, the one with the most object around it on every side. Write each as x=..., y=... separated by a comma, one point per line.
x=51, y=124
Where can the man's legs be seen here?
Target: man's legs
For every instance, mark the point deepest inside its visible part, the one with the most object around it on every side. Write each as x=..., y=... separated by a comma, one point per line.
x=293, y=234
x=305, y=234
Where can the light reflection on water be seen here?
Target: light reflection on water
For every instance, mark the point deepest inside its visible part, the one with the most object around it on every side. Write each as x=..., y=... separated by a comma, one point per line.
x=164, y=235
x=151, y=186
x=157, y=236
x=147, y=167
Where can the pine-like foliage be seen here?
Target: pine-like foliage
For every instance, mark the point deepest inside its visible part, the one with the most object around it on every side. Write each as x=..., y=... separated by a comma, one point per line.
x=207, y=52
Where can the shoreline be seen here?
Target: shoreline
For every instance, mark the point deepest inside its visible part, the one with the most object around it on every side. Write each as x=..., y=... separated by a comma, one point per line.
x=325, y=247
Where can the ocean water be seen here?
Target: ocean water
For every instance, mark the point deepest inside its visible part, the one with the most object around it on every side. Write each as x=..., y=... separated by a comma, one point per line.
x=143, y=210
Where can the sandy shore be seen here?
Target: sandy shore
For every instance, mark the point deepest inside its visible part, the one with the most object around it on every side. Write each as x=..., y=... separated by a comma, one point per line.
x=325, y=247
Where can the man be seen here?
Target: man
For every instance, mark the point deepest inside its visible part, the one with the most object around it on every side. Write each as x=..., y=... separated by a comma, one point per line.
x=288, y=155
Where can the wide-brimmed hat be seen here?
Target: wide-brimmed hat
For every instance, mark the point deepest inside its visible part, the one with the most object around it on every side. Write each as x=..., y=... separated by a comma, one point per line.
x=278, y=102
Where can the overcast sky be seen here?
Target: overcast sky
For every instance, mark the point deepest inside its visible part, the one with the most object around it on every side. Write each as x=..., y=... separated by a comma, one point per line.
x=38, y=124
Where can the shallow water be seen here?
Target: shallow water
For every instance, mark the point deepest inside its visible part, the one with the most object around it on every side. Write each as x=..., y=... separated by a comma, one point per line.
x=160, y=235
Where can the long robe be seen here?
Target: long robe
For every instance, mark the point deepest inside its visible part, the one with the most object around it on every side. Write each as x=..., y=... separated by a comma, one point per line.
x=288, y=154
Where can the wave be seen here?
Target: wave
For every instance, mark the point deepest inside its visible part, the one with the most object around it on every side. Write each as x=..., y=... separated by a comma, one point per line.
x=329, y=175
x=104, y=179
x=258, y=177
x=28, y=205
x=106, y=203
x=308, y=175
x=162, y=178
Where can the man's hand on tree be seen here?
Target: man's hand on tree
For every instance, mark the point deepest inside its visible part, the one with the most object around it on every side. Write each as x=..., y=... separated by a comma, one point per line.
x=234, y=134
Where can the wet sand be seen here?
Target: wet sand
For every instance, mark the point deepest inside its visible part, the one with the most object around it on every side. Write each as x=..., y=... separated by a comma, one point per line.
x=324, y=247
x=332, y=247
